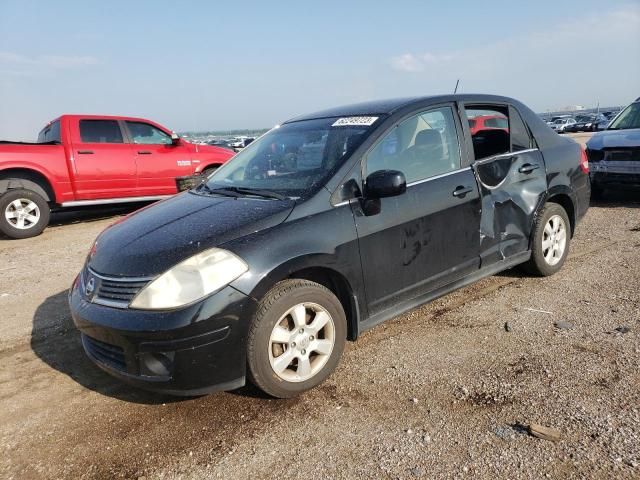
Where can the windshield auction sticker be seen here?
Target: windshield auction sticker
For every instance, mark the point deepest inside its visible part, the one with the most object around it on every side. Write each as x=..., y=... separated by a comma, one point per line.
x=354, y=121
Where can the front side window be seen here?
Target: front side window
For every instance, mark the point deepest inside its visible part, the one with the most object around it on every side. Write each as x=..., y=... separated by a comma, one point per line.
x=100, y=131
x=294, y=159
x=146, y=134
x=420, y=147
x=629, y=118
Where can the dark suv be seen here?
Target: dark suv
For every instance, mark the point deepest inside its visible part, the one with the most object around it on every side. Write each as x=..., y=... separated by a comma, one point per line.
x=326, y=226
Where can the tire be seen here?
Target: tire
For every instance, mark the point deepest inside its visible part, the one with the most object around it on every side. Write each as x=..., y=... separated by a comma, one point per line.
x=208, y=171
x=544, y=265
x=23, y=213
x=280, y=331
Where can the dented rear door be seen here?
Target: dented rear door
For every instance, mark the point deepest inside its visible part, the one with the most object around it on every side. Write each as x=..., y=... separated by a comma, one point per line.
x=512, y=186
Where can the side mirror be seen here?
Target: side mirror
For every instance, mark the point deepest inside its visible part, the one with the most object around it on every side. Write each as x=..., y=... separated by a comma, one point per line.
x=175, y=138
x=385, y=183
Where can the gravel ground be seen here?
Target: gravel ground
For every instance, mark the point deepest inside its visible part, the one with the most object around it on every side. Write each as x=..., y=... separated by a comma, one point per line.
x=445, y=391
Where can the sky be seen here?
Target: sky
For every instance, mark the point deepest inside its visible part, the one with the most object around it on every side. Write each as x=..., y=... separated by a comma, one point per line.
x=203, y=65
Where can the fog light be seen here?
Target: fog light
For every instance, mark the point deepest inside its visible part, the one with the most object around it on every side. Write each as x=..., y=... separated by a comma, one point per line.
x=156, y=363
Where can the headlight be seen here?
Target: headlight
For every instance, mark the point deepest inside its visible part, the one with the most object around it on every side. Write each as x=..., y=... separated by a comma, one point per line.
x=191, y=280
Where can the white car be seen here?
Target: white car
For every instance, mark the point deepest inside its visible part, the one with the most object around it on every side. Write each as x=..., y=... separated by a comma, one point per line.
x=562, y=123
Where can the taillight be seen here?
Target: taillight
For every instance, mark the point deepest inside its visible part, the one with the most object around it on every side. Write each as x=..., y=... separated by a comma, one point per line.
x=584, y=161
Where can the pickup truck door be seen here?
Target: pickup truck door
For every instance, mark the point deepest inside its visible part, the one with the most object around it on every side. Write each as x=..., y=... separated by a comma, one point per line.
x=513, y=182
x=103, y=163
x=158, y=160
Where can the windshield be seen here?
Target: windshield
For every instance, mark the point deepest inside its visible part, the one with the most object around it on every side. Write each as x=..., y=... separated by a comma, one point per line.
x=629, y=118
x=294, y=159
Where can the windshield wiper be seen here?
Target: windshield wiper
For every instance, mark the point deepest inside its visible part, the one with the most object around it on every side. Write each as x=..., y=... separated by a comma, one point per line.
x=227, y=192
x=257, y=192
x=241, y=191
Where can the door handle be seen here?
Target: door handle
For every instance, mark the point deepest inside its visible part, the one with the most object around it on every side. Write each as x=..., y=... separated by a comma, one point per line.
x=144, y=152
x=85, y=152
x=462, y=191
x=528, y=167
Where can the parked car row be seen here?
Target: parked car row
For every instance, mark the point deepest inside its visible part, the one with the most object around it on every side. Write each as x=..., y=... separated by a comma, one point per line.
x=234, y=144
x=588, y=122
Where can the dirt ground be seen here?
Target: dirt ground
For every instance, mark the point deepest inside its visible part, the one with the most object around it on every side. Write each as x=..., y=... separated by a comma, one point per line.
x=444, y=391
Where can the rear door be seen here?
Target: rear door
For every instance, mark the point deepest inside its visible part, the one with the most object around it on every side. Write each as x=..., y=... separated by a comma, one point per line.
x=428, y=236
x=512, y=179
x=159, y=162
x=104, y=166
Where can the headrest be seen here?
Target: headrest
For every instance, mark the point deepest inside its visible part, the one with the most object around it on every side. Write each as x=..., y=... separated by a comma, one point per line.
x=428, y=136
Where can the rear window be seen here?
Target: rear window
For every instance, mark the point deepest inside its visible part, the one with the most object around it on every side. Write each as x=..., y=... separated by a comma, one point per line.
x=100, y=131
x=496, y=123
x=50, y=133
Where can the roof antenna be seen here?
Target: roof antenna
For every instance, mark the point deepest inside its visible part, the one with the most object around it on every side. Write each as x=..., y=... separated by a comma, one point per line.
x=455, y=90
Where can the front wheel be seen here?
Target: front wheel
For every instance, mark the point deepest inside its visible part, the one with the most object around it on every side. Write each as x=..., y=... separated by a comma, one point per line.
x=23, y=213
x=296, y=338
x=550, y=241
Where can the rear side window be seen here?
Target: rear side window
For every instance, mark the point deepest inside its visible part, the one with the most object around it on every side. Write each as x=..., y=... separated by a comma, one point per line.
x=492, y=138
x=50, y=133
x=146, y=134
x=502, y=130
x=100, y=131
x=520, y=137
x=421, y=146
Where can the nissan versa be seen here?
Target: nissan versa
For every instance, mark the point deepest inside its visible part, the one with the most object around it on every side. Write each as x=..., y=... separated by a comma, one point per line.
x=324, y=227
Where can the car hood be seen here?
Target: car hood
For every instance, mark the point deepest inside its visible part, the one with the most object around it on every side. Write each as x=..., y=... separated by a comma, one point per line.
x=614, y=138
x=152, y=240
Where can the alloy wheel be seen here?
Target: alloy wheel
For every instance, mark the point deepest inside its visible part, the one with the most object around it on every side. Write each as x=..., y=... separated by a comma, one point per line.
x=301, y=342
x=22, y=214
x=554, y=240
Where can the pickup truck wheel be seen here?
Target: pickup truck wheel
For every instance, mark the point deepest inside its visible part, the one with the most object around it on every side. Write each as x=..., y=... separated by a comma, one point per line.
x=23, y=213
x=296, y=338
x=550, y=241
x=208, y=171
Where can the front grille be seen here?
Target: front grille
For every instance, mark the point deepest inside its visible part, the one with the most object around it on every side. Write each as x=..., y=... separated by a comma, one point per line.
x=115, y=292
x=110, y=355
x=118, y=290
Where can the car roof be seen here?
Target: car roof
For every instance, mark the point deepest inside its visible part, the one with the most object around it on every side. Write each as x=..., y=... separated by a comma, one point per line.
x=389, y=106
x=104, y=117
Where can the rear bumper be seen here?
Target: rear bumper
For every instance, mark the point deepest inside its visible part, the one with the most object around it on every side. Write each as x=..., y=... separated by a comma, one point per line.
x=192, y=351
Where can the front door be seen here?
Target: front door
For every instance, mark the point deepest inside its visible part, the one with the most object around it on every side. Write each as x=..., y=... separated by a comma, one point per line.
x=428, y=236
x=512, y=179
x=158, y=160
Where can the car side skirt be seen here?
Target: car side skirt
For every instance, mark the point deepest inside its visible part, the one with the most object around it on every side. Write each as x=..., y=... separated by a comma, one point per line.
x=403, y=307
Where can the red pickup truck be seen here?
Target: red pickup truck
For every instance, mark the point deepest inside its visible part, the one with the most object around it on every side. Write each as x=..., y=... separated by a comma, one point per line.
x=91, y=160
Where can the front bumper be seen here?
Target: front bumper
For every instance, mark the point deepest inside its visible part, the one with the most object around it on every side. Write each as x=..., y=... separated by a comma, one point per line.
x=191, y=351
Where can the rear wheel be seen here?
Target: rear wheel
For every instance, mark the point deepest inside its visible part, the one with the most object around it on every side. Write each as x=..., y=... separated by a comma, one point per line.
x=296, y=338
x=550, y=241
x=23, y=213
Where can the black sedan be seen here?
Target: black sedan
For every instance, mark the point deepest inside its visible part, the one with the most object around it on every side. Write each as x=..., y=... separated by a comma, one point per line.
x=326, y=226
x=588, y=124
